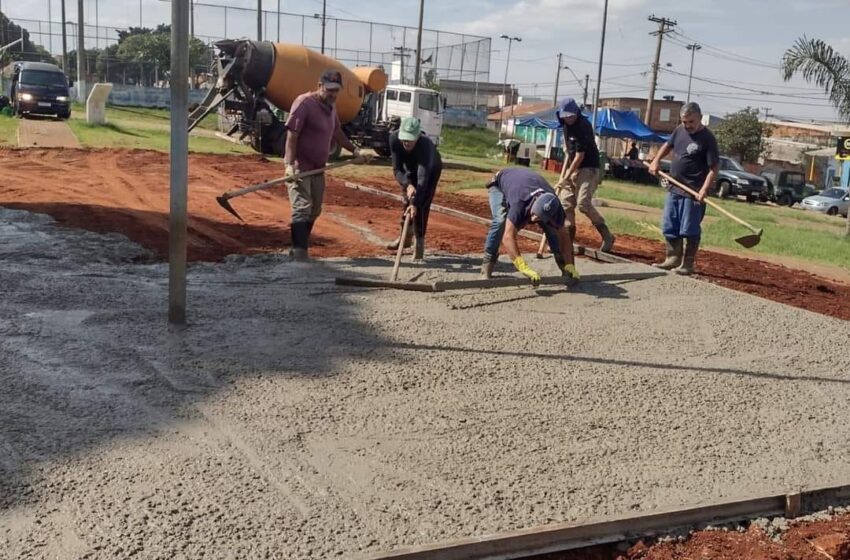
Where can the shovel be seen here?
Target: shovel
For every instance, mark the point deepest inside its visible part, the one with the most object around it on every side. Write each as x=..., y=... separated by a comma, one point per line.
x=747, y=241
x=224, y=200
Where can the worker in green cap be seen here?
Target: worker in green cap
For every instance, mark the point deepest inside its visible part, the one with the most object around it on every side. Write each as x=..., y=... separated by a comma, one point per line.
x=417, y=167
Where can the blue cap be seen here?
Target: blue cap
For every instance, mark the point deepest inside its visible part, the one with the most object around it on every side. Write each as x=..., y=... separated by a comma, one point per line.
x=567, y=108
x=547, y=208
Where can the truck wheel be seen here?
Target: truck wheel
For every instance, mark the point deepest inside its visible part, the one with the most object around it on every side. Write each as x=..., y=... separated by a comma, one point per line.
x=725, y=189
x=785, y=200
x=832, y=211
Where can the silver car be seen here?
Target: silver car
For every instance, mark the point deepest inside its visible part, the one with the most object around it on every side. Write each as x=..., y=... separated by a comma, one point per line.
x=830, y=201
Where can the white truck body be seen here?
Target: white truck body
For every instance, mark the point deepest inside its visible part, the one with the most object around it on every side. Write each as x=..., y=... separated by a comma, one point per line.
x=410, y=101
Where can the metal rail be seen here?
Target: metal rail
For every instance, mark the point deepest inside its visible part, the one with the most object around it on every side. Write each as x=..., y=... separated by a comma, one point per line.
x=567, y=536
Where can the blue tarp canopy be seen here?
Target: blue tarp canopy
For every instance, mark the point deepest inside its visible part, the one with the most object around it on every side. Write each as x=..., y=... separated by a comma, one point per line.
x=609, y=123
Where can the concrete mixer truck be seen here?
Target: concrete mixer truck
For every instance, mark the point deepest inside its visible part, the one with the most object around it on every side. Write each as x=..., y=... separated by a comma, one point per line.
x=256, y=81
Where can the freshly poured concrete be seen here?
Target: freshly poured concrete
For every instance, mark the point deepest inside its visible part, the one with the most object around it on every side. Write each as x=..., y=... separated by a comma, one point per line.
x=295, y=419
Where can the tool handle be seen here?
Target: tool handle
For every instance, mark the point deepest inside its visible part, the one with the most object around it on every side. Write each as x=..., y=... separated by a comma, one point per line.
x=274, y=182
x=401, y=241
x=708, y=201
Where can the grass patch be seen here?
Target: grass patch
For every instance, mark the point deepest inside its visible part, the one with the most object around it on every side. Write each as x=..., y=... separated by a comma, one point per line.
x=142, y=128
x=478, y=145
x=8, y=131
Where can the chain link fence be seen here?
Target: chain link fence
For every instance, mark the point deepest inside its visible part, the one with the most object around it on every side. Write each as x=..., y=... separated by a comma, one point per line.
x=445, y=55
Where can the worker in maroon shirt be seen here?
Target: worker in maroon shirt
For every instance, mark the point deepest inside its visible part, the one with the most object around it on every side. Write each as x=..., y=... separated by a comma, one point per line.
x=313, y=125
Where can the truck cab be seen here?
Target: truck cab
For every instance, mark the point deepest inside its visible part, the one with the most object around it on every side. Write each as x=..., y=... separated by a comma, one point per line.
x=40, y=88
x=409, y=101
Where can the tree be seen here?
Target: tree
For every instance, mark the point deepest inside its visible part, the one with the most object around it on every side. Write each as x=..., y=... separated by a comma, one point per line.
x=819, y=64
x=429, y=80
x=150, y=50
x=25, y=50
x=741, y=134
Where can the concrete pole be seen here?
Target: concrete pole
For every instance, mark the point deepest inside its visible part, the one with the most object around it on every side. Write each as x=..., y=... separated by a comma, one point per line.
x=278, y=21
x=417, y=78
x=324, y=17
x=259, y=20
x=599, y=68
x=81, y=54
x=693, y=48
x=557, y=79
x=179, y=161
x=50, y=24
x=586, y=80
x=64, y=40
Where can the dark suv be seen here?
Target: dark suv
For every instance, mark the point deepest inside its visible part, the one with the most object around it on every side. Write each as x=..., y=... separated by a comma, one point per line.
x=734, y=180
x=40, y=88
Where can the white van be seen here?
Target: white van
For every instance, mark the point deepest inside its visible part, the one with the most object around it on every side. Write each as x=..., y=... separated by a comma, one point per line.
x=410, y=101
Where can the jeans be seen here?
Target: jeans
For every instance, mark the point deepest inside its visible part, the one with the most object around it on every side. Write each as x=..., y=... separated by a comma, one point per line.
x=497, y=226
x=682, y=217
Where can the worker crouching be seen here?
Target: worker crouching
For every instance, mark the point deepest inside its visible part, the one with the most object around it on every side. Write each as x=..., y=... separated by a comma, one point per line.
x=519, y=197
x=417, y=167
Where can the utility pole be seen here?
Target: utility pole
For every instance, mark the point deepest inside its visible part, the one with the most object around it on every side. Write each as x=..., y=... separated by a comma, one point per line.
x=599, y=69
x=259, y=20
x=766, y=113
x=693, y=48
x=64, y=41
x=505, y=84
x=140, y=14
x=403, y=52
x=419, y=44
x=558, y=77
x=81, y=53
x=664, y=26
x=324, y=17
x=586, y=83
x=278, y=21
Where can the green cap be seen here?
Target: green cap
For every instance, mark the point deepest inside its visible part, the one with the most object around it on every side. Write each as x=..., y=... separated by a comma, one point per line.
x=409, y=130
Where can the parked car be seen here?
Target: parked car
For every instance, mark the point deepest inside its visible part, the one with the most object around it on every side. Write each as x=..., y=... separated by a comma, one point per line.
x=40, y=88
x=830, y=201
x=788, y=187
x=734, y=180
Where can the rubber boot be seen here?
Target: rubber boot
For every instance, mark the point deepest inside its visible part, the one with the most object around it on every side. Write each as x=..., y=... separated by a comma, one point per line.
x=419, y=249
x=607, y=238
x=300, y=232
x=688, y=264
x=408, y=241
x=487, y=267
x=674, y=254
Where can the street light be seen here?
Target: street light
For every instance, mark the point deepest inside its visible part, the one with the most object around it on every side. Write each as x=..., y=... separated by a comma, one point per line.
x=505, y=84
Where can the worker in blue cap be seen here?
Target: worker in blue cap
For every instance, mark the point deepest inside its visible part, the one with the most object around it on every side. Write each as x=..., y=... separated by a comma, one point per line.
x=580, y=179
x=519, y=197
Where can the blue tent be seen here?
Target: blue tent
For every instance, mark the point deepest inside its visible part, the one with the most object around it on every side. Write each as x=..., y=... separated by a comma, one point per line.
x=609, y=123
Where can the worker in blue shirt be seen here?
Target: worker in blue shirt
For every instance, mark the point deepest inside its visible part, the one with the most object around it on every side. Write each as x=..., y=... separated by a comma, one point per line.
x=518, y=197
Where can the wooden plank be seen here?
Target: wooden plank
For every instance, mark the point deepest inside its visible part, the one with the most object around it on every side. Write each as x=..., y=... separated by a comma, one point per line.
x=566, y=536
x=366, y=283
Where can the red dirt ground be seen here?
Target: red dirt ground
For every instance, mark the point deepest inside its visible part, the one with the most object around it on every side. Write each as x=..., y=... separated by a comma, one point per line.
x=820, y=540
x=126, y=191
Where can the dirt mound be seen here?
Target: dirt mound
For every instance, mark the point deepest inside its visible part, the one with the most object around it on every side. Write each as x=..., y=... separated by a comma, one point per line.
x=126, y=191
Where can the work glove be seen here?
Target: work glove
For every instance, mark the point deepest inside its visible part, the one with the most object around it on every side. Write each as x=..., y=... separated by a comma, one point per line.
x=525, y=270
x=291, y=171
x=570, y=270
x=361, y=158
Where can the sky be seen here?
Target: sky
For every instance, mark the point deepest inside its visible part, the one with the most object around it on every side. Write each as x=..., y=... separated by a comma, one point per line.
x=738, y=66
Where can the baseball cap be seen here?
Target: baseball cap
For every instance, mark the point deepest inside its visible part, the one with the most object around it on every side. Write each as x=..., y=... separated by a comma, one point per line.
x=332, y=79
x=567, y=108
x=547, y=208
x=409, y=129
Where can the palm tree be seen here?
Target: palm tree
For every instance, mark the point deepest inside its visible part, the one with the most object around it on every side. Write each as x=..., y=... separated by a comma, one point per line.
x=820, y=64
